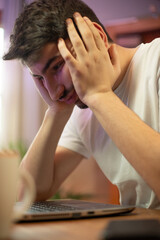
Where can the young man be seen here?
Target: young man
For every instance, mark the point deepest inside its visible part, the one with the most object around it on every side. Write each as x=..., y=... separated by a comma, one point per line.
x=103, y=100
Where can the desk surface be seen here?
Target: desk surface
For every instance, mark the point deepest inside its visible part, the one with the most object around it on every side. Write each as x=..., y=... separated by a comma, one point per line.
x=87, y=229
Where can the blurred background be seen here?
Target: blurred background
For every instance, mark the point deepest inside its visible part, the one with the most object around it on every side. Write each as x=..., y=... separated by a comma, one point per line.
x=129, y=22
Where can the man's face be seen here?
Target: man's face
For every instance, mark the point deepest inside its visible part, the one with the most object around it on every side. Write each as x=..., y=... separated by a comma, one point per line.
x=53, y=73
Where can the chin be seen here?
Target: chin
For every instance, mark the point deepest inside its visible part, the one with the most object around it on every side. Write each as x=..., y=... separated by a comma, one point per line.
x=81, y=105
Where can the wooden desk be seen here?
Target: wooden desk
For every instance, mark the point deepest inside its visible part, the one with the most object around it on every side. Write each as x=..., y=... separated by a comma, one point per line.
x=84, y=229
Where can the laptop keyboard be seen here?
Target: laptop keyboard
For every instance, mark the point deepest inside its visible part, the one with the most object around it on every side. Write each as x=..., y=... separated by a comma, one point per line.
x=50, y=207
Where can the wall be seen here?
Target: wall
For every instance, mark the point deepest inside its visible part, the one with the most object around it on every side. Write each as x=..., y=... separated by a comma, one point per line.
x=109, y=10
x=1, y=4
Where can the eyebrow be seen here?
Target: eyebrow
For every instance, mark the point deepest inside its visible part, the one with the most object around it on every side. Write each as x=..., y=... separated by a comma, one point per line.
x=49, y=63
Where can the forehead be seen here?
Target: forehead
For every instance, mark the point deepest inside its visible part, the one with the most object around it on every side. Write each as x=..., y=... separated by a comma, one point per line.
x=49, y=51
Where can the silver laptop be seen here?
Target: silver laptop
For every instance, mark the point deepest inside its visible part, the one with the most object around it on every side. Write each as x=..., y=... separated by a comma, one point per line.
x=71, y=209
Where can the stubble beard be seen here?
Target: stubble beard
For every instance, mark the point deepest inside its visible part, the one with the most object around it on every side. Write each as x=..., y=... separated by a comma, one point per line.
x=81, y=105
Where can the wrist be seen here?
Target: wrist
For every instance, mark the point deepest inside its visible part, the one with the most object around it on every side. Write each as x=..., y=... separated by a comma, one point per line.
x=98, y=99
x=58, y=115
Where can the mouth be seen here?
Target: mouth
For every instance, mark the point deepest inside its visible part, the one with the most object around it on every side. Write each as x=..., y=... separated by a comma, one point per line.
x=71, y=97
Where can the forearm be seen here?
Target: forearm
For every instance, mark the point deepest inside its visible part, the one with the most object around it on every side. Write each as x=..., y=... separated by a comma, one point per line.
x=39, y=158
x=139, y=143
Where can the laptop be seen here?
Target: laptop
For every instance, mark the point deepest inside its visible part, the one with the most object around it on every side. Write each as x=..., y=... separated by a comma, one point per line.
x=71, y=209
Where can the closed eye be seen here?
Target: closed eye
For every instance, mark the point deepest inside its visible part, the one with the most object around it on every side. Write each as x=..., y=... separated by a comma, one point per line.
x=58, y=66
x=38, y=77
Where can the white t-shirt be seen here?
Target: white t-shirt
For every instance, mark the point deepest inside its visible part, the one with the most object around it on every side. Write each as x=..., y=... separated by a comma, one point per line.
x=140, y=91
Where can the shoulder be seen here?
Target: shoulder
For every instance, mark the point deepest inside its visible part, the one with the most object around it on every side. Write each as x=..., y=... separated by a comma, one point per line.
x=155, y=42
x=151, y=46
x=148, y=54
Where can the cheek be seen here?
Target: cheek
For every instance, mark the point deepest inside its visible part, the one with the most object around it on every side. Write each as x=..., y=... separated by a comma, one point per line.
x=45, y=85
x=64, y=77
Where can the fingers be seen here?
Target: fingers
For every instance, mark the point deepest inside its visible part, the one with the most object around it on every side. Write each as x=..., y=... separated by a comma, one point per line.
x=97, y=32
x=89, y=40
x=66, y=54
x=75, y=39
x=90, y=34
x=87, y=31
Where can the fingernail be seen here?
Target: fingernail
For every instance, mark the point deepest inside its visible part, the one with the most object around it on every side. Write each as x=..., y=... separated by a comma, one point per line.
x=60, y=40
x=76, y=14
x=86, y=18
x=68, y=21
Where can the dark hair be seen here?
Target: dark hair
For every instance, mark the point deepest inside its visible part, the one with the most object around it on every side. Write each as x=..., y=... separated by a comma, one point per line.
x=41, y=22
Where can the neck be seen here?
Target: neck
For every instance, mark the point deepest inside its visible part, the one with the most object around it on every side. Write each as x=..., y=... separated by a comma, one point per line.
x=125, y=55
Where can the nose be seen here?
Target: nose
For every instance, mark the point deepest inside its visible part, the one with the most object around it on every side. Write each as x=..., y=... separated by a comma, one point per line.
x=59, y=92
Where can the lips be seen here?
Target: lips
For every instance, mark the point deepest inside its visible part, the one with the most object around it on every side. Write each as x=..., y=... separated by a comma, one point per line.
x=70, y=98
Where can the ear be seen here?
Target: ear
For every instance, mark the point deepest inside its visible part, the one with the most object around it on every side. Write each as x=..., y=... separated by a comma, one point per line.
x=102, y=33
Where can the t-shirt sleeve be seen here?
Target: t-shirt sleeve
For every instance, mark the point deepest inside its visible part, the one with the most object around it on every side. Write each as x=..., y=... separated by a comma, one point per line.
x=70, y=138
